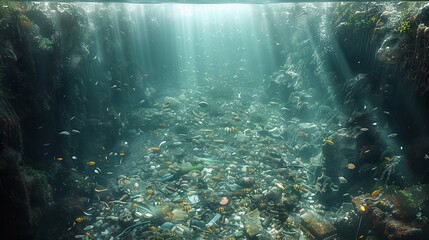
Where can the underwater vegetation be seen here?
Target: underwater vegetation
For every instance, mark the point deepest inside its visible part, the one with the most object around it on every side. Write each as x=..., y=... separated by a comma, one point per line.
x=46, y=44
x=404, y=27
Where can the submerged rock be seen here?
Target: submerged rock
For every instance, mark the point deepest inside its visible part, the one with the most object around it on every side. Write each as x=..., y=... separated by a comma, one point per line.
x=396, y=213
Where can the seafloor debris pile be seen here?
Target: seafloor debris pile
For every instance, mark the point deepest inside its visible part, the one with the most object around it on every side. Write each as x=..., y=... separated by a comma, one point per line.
x=204, y=168
x=200, y=175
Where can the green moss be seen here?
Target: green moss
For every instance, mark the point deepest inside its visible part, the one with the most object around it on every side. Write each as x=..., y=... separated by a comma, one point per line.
x=46, y=44
x=38, y=175
x=404, y=27
x=5, y=8
x=362, y=22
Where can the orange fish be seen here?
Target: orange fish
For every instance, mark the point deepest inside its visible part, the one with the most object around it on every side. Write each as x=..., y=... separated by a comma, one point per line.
x=154, y=149
x=60, y=158
x=375, y=192
x=122, y=154
x=350, y=166
x=329, y=141
x=91, y=163
x=302, y=134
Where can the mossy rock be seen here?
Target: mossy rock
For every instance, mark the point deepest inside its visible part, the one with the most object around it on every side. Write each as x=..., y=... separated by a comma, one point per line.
x=37, y=174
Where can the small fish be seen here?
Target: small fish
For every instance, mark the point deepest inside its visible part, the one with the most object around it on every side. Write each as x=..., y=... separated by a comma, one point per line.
x=100, y=190
x=375, y=192
x=87, y=214
x=89, y=227
x=74, y=157
x=122, y=154
x=426, y=156
x=367, y=151
x=203, y=104
x=296, y=187
x=329, y=141
x=162, y=143
x=152, y=228
x=280, y=186
x=65, y=133
x=387, y=158
x=364, y=129
x=60, y=158
x=46, y=145
x=142, y=101
x=392, y=135
x=246, y=190
x=91, y=163
x=386, y=112
x=75, y=131
x=362, y=208
x=302, y=134
x=154, y=149
x=374, y=124
x=350, y=166
x=187, y=208
x=342, y=180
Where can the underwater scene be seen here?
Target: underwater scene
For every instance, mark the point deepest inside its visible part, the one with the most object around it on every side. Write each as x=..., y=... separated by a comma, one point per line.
x=269, y=121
